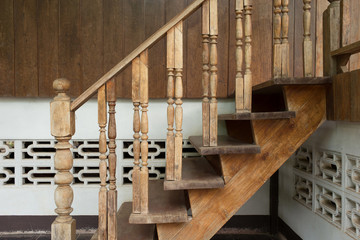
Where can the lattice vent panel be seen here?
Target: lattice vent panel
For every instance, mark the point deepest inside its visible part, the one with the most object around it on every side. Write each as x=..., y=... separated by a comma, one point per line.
x=328, y=183
x=31, y=163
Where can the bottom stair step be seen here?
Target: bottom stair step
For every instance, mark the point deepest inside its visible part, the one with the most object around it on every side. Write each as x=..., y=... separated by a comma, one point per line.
x=197, y=173
x=127, y=231
x=164, y=206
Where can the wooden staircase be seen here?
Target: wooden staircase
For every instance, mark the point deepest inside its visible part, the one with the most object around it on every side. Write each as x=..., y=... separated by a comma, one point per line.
x=199, y=195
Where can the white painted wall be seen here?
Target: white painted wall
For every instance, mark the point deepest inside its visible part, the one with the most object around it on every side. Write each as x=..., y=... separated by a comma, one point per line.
x=29, y=118
x=337, y=136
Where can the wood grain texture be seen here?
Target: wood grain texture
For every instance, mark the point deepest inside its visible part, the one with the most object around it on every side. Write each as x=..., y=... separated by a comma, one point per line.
x=294, y=81
x=355, y=96
x=126, y=231
x=26, y=50
x=257, y=115
x=70, y=44
x=354, y=32
x=164, y=206
x=319, y=50
x=197, y=174
x=92, y=41
x=278, y=139
x=7, y=48
x=226, y=145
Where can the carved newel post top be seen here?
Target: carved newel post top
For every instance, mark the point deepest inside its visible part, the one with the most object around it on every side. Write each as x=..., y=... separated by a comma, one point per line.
x=61, y=85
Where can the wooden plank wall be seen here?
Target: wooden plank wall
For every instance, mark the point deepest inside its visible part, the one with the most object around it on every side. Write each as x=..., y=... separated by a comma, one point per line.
x=82, y=39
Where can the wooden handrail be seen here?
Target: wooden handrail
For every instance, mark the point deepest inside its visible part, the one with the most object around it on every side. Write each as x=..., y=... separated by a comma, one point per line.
x=347, y=50
x=88, y=93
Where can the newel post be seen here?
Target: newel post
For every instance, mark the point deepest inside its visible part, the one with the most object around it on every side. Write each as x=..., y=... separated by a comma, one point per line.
x=62, y=123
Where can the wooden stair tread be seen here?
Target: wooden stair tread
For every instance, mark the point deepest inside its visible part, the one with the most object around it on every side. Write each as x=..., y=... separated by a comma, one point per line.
x=258, y=115
x=226, y=145
x=197, y=173
x=127, y=231
x=349, y=49
x=293, y=81
x=164, y=206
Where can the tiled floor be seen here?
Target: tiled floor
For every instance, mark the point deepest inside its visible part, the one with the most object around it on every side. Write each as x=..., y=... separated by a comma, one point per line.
x=87, y=237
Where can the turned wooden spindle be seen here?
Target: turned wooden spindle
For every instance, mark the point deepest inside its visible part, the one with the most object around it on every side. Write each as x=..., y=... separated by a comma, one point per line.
x=144, y=102
x=307, y=45
x=136, y=127
x=285, y=51
x=239, y=79
x=170, y=138
x=112, y=193
x=248, y=76
x=62, y=122
x=277, y=39
x=102, y=120
x=213, y=72
x=178, y=63
x=205, y=73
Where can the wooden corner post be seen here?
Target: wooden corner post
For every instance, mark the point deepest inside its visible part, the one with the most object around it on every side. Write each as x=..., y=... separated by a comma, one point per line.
x=307, y=44
x=62, y=123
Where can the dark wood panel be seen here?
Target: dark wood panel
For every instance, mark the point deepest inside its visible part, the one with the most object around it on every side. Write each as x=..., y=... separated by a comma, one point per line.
x=26, y=74
x=262, y=41
x=157, y=53
x=70, y=45
x=48, y=43
x=232, y=48
x=91, y=12
x=113, y=35
x=342, y=96
x=7, y=48
x=355, y=96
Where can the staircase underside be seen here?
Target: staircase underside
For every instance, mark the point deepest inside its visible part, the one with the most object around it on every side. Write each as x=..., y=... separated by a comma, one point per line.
x=244, y=174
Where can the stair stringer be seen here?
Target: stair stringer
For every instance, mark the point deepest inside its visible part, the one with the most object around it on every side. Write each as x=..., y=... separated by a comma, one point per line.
x=246, y=173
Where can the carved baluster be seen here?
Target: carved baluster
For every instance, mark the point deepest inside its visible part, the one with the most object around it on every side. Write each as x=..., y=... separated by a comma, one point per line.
x=144, y=102
x=102, y=119
x=239, y=81
x=285, y=52
x=62, y=128
x=170, y=138
x=112, y=193
x=307, y=47
x=277, y=39
x=136, y=127
x=205, y=74
x=248, y=76
x=178, y=95
x=213, y=72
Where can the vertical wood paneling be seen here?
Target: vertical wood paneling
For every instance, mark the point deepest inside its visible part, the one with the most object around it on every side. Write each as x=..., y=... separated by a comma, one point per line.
x=26, y=74
x=134, y=35
x=113, y=35
x=48, y=43
x=261, y=66
x=193, y=62
x=232, y=49
x=298, y=35
x=91, y=12
x=354, y=31
x=70, y=49
x=223, y=50
x=320, y=8
x=291, y=35
x=157, y=69
x=7, y=48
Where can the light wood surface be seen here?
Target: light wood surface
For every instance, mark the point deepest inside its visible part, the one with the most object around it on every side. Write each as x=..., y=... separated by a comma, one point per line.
x=278, y=139
x=88, y=93
x=349, y=49
x=285, y=48
x=127, y=231
x=62, y=123
x=277, y=39
x=293, y=81
x=307, y=44
x=205, y=72
x=112, y=193
x=102, y=121
x=239, y=78
x=144, y=126
x=226, y=145
x=197, y=174
x=136, y=128
x=178, y=63
x=258, y=115
x=170, y=137
x=248, y=52
x=164, y=206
